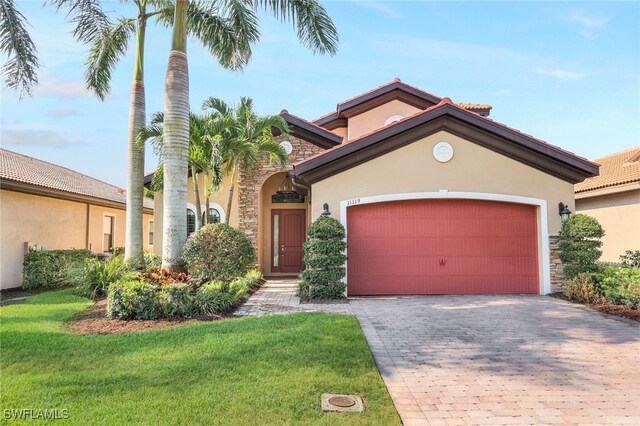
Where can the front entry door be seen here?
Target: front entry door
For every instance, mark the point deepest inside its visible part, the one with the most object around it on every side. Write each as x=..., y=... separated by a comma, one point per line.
x=288, y=234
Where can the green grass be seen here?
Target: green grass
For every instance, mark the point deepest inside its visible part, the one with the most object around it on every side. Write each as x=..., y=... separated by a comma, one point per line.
x=260, y=370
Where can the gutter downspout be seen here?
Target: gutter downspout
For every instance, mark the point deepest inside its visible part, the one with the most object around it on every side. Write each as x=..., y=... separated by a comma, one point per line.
x=88, y=233
x=299, y=184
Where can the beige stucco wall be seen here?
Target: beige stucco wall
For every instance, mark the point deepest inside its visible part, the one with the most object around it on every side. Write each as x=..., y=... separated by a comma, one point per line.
x=342, y=131
x=619, y=215
x=265, y=239
x=219, y=197
x=413, y=168
x=53, y=223
x=375, y=118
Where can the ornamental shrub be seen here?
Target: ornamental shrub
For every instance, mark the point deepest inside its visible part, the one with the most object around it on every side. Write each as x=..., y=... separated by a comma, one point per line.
x=219, y=252
x=93, y=277
x=176, y=300
x=630, y=259
x=133, y=299
x=51, y=268
x=213, y=298
x=580, y=242
x=324, y=258
x=584, y=289
x=621, y=286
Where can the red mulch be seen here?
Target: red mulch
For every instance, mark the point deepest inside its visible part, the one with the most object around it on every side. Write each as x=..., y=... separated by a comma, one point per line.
x=94, y=321
x=617, y=310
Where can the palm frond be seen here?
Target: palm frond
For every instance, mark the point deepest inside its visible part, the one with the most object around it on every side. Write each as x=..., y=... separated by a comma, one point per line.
x=314, y=27
x=88, y=16
x=105, y=52
x=157, y=182
x=20, y=69
x=226, y=28
x=217, y=105
x=152, y=133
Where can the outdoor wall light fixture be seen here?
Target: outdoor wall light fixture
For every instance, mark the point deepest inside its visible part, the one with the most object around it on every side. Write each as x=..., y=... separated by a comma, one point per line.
x=564, y=211
x=325, y=211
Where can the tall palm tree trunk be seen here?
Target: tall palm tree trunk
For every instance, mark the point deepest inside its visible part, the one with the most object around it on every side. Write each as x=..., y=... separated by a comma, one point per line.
x=232, y=188
x=133, y=247
x=176, y=143
x=196, y=194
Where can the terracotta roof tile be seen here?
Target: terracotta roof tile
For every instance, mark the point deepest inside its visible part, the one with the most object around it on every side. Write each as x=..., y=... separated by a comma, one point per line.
x=615, y=169
x=24, y=169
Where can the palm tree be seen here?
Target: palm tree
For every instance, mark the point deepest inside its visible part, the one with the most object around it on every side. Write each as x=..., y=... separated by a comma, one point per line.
x=205, y=135
x=225, y=35
x=315, y=30
x=248, y=139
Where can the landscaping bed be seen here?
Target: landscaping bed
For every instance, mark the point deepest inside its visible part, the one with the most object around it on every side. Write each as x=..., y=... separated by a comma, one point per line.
x=250, y=370
x=617, y=310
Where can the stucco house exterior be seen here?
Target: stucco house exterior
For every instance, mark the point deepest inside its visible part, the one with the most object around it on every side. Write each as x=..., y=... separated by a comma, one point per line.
x=613, y=198
x=436, y=197
x=45, y=206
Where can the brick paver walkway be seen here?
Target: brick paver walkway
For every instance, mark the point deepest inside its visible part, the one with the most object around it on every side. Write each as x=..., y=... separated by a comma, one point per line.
x=494, y=359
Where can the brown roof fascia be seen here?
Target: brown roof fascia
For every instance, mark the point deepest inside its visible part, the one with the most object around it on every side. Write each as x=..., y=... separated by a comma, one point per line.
x=311, y=133
x=397, y=87
x=465, y=124
x=27, y=188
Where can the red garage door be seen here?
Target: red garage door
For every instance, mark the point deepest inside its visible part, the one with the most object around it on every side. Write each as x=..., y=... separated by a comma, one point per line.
x=442, y=247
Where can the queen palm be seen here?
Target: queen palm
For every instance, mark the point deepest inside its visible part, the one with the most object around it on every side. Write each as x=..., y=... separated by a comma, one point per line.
x=250, y=137
x=314, y=29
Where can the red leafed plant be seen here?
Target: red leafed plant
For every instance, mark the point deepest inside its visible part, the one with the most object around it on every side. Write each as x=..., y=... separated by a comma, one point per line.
x=160, y=277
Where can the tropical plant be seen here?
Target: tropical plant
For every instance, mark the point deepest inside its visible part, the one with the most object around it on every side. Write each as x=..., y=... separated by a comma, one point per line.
x=205, y=133
x=93, y=277
x=249, y=137
x=631, y=259
x=580, y=242
x=315, y=30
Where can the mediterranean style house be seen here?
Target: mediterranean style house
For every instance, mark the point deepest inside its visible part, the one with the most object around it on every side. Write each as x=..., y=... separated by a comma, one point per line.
x=436, y=197
x=613, y=198
x=45, y=206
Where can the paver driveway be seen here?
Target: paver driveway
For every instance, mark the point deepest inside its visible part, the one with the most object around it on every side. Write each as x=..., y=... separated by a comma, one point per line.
x=503, y=360
x=491, y=359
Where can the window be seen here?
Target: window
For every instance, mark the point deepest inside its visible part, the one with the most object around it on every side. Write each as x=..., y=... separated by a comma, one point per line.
x=107, y=232
x=191, y=221
x=150, y=232
x=214, y=216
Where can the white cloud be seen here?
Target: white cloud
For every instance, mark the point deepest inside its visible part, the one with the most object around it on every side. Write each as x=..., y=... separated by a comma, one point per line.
x=62, y=89
x=589, y=23
x=35, y=137
x=62, y=112
x=382, y=7
x=561, y=74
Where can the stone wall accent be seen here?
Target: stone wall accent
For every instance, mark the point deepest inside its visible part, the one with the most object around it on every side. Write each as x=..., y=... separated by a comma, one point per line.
x=249, y=184
x=557, y=271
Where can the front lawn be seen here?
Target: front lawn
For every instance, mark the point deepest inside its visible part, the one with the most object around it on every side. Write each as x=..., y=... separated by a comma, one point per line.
x=259, y=370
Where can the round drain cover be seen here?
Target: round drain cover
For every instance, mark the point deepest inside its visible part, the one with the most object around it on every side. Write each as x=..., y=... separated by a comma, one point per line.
x=342, y=401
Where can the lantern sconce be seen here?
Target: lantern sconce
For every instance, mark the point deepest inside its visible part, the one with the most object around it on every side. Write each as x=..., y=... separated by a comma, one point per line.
x=564, y=211
x=325, y=211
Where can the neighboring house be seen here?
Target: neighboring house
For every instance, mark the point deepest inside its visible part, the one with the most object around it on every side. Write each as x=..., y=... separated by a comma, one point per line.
x=436, y=197
x=613, y=198
x=44, y=206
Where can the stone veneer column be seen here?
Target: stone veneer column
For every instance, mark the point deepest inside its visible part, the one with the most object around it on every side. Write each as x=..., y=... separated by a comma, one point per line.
x=249, y=184
x=557, y=271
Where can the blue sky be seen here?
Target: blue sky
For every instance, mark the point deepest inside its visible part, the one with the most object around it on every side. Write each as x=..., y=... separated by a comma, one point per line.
x=565, y=72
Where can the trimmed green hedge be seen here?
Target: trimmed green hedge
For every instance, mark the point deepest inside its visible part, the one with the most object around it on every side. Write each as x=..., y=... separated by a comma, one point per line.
x=51, y=268
x=580, y=242
x=324, y=258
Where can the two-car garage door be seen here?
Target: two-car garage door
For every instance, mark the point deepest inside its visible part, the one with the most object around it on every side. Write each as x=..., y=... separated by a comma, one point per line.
x=442, y=247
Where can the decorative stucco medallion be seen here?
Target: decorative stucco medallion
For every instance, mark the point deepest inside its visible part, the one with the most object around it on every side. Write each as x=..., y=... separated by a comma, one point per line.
x=443, y=152
x=286, y=145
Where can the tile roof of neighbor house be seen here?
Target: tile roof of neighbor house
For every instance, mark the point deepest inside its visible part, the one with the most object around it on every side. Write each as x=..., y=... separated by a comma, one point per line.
x=615, y=169
x=23, y=169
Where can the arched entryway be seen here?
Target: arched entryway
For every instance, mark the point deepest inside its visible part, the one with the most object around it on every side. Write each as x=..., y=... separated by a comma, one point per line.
x=282, y=226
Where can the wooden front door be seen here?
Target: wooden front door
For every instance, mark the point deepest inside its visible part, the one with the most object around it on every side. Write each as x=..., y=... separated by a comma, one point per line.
x=288, y=233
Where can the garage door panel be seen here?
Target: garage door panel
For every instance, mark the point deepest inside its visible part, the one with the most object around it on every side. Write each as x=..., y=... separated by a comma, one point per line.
x=442, y=247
